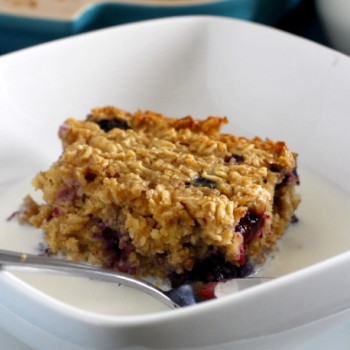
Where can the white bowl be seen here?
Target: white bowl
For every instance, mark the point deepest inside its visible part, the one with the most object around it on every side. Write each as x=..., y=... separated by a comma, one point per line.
x=335, y=16
x=268, y=83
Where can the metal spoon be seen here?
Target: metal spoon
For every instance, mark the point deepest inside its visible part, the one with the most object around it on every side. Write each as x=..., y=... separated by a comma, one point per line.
x=187, y=294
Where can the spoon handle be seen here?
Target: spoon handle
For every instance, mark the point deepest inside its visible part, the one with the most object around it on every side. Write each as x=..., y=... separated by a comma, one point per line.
x=15, y=261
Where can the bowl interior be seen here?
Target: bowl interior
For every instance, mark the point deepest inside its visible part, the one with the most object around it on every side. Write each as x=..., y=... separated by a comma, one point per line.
x=268, y=83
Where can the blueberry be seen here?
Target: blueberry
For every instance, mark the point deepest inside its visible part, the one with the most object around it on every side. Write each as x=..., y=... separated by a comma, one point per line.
x=203, y=182
x=109, y=124
x=90, y=176
x=250, y=225
x=110, y=237
x=289, y=178
x=238, y=159
x=294, y=219
x=275, y=168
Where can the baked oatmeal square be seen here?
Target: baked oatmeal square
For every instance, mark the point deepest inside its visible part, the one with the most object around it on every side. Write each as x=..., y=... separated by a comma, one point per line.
x=176, y=198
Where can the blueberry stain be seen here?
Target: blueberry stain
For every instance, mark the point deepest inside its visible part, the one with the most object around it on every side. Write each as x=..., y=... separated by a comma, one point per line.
x=250, y=225
x=214, y=268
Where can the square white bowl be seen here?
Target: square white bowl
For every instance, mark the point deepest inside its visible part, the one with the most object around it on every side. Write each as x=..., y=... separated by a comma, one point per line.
x=269, y=84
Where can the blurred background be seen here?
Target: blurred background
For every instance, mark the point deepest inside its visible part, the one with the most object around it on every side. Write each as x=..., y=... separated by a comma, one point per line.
x=24, y=23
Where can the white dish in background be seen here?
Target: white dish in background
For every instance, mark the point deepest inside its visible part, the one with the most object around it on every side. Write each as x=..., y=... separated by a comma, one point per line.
x=269, y=84
x=335, y=17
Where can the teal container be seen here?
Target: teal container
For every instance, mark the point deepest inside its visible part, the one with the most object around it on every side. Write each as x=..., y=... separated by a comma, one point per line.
x=18, y=31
